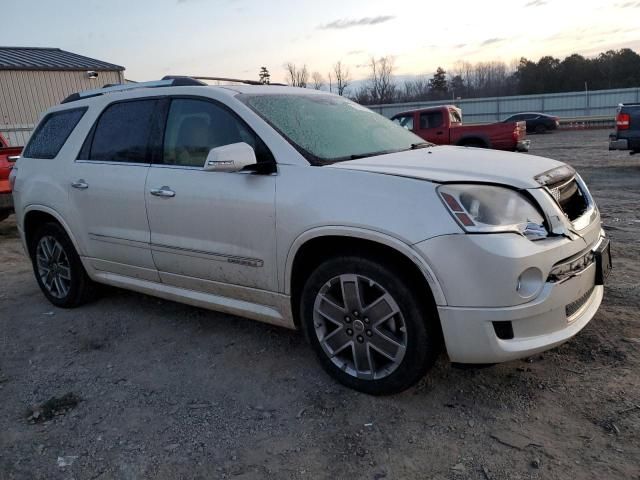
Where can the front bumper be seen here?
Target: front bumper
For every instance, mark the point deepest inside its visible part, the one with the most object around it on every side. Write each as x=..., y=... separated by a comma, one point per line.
x=560, y=312
x=523, y=145
x=480, y=277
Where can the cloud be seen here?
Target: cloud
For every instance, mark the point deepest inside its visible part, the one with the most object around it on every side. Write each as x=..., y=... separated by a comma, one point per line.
x=355, y=52
x=491, y=41
x=356, y=22
x=628, y=5
x=460, y=45
x=535, y=3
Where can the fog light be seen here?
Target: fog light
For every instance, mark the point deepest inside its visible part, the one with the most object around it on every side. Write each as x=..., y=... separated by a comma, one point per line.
x=529, y=282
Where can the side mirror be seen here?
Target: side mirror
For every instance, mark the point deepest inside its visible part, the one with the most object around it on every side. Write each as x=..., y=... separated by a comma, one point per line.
x=230, y=158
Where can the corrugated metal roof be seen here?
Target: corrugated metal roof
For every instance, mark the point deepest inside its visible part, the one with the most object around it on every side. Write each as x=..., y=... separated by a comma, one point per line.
x=32, y=58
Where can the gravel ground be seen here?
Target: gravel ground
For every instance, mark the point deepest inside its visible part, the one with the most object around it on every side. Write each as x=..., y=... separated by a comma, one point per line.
x=162, y=390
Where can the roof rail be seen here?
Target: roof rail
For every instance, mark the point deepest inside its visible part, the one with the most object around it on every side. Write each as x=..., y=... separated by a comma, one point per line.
x=110, y=88
x=220, y=79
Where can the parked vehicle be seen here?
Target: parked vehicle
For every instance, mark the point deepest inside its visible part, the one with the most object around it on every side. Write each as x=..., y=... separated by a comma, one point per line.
x=627, y=134
x=536, y=122
x=8, y=155
x=443, y=126
x=303, y=209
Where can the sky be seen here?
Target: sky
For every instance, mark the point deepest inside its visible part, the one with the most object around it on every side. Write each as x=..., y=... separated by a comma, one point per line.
x=234, y=38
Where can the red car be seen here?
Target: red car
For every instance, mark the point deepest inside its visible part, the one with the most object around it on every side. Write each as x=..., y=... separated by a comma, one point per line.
x=8, y=156
x=443, y=126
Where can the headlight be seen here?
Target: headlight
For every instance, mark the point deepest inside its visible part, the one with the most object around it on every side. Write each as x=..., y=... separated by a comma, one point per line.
x=491, y=209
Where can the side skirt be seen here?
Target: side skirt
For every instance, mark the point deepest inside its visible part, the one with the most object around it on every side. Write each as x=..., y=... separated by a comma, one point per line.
x=274, y=308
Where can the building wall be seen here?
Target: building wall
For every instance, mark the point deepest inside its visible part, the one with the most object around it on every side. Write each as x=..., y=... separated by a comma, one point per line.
x=26, y=94
x=569, y=105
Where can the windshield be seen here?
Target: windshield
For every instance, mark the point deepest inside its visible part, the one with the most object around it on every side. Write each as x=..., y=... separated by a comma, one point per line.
x=328, y=128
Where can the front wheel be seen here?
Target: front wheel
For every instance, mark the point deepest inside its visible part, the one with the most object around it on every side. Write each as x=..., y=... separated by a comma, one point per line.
x=368, y=325
x=58, y=269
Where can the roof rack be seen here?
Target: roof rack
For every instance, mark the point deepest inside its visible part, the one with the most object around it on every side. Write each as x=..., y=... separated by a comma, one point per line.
x=221, y=79
x=110, y=88
x=167, y=81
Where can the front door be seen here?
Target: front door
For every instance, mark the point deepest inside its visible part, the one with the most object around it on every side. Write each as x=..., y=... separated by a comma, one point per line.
x=210, y=229
x=106, y=190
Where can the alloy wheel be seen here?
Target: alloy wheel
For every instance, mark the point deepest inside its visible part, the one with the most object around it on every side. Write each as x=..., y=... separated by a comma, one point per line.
x=53, y=267
x=360, y=327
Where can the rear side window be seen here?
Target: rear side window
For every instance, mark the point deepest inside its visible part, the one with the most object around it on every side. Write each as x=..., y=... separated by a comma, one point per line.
x=431, y=119
x=52, y=133
x=122, y=133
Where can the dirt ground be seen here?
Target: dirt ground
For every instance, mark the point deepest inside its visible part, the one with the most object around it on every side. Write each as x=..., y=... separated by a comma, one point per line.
x=162, y=390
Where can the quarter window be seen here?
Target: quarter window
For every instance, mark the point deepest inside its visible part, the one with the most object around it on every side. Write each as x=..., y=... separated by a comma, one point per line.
x=52, y=133
x=195, y=126
x=122, y=132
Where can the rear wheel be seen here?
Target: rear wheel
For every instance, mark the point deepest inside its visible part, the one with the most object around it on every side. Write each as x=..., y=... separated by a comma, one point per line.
x=58, y=269
x=369, y=328
x=473, y=143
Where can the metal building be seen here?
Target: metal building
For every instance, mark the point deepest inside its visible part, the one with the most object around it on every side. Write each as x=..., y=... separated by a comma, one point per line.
x=34, y=79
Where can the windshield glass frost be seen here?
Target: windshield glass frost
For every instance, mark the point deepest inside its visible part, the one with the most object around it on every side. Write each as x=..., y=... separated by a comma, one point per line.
x=327, y=128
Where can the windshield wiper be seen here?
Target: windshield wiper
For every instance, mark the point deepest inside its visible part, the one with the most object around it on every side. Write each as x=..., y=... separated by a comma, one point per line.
x=415, y=146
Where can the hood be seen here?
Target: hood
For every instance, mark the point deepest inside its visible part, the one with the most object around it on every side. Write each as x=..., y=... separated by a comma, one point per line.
x=457, y=164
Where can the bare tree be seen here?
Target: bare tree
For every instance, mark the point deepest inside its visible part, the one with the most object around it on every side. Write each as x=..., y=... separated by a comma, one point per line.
x=317, y=81
x=343, y=77
x=382, y=87
x=297, y=77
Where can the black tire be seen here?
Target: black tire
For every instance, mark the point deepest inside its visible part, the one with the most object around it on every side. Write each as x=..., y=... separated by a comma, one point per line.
x=474, y=144
x=80, y=287
x=4, y=214
x=541, y=129
x=418, y=314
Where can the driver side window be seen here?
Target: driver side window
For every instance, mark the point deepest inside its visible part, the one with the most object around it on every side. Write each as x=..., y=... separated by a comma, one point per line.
x=196, y=126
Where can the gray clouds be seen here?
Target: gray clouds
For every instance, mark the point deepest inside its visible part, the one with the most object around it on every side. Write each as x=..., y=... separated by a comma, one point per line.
x=356, y=22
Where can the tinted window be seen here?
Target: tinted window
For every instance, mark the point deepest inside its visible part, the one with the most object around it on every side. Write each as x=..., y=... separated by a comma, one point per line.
x=122, y=132
x=431, y=119
x=196, y=126
x=405, y=121
x=52, y=132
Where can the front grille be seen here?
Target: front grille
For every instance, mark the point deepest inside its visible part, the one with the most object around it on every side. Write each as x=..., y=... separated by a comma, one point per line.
x=575, y=306
x=570, y=198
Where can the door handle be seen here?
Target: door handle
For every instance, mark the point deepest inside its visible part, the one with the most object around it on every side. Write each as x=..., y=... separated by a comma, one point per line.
x=164, y=191
x=80, y=184
x=439, y=133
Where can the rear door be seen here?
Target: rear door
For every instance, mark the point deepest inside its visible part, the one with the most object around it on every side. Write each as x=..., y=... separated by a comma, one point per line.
x=432, y=127
x=210, y=230
x=106, y=189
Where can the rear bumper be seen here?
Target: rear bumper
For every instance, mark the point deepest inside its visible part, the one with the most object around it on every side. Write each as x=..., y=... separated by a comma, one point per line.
x=6, y=201
x=622, y=144
x=523, y=145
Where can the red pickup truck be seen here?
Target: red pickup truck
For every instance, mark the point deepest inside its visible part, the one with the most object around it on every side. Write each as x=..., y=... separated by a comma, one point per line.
x=443, y=126
x=8, y=156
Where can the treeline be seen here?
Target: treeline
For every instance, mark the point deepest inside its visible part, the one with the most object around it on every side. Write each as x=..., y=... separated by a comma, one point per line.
x=610, y=69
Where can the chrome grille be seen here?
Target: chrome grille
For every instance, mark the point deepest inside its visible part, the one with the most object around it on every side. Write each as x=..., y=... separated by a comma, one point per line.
x=574, y=307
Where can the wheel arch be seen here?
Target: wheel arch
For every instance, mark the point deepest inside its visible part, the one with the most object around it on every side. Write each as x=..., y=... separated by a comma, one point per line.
x=35, y=215
x=474, y=138
x=314, y=245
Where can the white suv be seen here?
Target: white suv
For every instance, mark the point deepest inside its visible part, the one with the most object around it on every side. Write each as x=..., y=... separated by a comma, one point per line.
x=306, y=210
